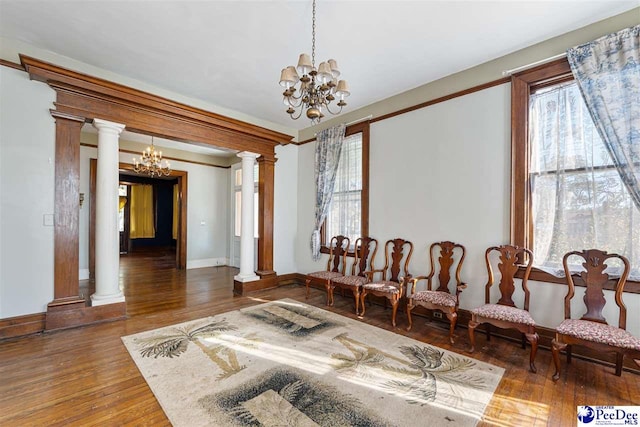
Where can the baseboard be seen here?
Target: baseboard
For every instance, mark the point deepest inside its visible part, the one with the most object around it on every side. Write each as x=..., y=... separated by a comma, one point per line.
x=21, y=325
x=208, y=262
x=83, y=274
x=63, y=319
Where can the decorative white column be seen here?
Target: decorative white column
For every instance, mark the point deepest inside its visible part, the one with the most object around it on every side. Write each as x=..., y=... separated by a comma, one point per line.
x=247, y=250
x=107, y=240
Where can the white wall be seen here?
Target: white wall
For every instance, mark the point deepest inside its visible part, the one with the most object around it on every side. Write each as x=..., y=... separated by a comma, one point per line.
x=443, y=173
x=27, y=137
x=285, y=217
x=207, y=202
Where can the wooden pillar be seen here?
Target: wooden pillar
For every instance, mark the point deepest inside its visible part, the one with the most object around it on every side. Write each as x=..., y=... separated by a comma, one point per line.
x=66, y=217
x=266, y=178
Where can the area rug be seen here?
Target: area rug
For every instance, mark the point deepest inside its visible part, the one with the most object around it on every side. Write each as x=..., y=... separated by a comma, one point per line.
x=285, y=363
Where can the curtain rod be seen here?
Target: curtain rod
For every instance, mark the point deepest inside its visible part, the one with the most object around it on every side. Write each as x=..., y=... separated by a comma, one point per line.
x=533, y=64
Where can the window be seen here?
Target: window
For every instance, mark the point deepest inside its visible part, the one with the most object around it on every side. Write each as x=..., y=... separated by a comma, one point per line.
x=349, y=210
x=566, y=192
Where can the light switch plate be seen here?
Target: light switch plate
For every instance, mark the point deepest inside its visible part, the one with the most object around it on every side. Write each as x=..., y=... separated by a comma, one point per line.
x=47, y=220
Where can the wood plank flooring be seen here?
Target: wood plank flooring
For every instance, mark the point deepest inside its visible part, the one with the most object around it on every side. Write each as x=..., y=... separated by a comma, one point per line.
x=85, y=376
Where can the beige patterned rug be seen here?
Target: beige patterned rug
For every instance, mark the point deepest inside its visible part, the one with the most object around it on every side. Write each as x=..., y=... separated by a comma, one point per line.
x=286, y=363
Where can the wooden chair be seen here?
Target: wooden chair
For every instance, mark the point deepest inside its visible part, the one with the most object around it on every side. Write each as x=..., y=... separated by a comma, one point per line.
x=505, y=314
x=336, y=264
x=393, y=288
x=364, y=253
x=592, y=329
x=442, y=299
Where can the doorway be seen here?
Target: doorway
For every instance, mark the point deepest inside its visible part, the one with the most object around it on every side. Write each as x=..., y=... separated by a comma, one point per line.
x=180, y=178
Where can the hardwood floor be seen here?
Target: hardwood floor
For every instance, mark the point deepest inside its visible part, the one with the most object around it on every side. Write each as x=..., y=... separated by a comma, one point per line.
x=86, y=377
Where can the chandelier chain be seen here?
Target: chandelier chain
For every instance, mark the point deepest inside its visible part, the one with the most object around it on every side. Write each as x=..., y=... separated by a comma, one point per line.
x=313, y=36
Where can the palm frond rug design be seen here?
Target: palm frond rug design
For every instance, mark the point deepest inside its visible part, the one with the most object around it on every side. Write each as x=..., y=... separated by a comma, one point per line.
x=285, y=363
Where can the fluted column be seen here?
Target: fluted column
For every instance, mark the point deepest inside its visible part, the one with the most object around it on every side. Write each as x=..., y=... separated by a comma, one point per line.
x=107, y=241
x=247, y=270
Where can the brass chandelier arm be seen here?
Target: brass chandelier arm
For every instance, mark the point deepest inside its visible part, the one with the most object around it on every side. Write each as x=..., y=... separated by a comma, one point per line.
x=327, y=106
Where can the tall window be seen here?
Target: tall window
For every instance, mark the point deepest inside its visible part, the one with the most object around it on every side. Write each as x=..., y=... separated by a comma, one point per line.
x=349, y=209
x=568, y=194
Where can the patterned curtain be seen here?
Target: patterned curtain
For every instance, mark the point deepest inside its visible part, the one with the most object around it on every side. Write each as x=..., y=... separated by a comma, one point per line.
x=608, y=73
x=142, y=212
x=328, y=149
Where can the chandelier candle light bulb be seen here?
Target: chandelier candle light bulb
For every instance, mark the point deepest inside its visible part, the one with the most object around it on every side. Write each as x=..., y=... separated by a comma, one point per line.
x=317, y=86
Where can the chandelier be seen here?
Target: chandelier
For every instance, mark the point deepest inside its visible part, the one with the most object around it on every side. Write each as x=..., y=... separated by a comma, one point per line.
x=151, y=163
x=318, y=87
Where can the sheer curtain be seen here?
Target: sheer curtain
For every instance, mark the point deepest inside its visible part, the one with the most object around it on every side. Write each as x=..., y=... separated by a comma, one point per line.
x=328, y=149
x=578, y=198
x=346, y=206
x=142, y=212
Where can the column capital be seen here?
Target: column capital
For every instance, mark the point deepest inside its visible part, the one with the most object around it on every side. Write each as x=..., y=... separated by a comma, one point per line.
x=248, y=155
x=105, y=125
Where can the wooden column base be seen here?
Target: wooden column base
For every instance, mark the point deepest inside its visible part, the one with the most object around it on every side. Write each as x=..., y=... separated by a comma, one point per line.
x=69, y=318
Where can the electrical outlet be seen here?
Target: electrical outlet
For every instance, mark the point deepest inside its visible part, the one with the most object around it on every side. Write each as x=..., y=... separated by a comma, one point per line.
x=437, y=315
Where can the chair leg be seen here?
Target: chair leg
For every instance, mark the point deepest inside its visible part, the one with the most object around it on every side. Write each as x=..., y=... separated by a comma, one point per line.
x=533, y=339
x=472, y=336
x=306, y=283
x=394, y=310
x=453, y=318
x=329, y=289
x=362, y=297
x=556, y=348
x=356, y=297
x=619, y=359
x=568, y=354
x=409, y=308
x=487, y=329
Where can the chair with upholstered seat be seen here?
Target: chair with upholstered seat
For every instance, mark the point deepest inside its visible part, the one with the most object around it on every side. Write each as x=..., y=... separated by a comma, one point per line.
x=390, y=284
x=592, y=329
x=336, y=265
x=365, y=250
x=442, y=298
x=504, y=314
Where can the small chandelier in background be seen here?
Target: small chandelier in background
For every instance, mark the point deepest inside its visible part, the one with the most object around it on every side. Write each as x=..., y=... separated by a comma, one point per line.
x=151, y=163
x=318, y=87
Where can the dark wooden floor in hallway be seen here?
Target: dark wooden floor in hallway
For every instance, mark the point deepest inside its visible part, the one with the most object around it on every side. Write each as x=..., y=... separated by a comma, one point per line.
x=85, y=376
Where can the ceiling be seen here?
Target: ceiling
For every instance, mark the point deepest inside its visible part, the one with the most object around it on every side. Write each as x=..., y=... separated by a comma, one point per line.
x=230, y=53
